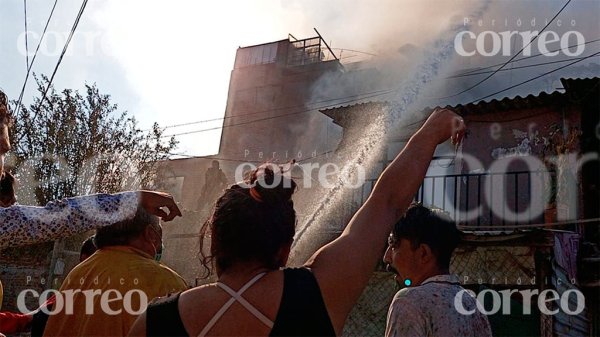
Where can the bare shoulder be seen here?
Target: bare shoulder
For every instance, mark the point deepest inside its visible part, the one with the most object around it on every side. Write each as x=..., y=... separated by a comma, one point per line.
x=197, y=306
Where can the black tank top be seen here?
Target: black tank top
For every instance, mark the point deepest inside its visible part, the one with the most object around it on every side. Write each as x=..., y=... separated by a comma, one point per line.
x=302, y=311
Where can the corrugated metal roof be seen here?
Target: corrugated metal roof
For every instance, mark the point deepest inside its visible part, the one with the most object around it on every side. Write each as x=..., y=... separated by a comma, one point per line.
x=368, y=104
x=507, y=103
x=343, y=114
x=581, y=88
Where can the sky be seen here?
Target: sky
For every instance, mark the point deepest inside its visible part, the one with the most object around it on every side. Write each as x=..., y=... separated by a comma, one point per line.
x=170, y=62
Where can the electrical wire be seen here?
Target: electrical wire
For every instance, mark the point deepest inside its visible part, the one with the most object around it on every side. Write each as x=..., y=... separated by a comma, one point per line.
x=34, y=56
x=512, y=57
x=272, y=117
x=471, y=72
x=417, y=122
x=523, y=67
x=532, y=79
x=62, y=54
x=187, y=156
x=553, y=224
x=243, y=160
x=355, y=51
x=26, y=33
x=358, y=98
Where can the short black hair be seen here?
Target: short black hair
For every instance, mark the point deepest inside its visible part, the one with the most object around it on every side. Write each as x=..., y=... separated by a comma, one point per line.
x=433, y=227
x=121, y=233
x=88, y=246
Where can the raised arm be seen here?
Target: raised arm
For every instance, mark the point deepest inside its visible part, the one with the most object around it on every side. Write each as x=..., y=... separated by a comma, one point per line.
x=344, y=266
x=21, y=225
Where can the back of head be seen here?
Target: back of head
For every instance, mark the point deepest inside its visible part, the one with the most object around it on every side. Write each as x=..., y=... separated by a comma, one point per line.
x=433, y=227
x=122, y=233
x=252, y=221
x=7, y=190
x=88, y=247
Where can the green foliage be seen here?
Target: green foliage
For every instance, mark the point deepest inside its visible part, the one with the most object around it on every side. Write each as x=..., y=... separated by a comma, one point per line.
x=75, y=144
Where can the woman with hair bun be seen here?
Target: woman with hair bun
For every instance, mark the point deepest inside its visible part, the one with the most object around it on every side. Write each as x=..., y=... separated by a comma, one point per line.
x=251, y=232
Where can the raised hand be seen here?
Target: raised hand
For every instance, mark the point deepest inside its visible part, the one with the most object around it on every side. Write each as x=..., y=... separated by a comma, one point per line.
x=154, y=201
x=443, y=124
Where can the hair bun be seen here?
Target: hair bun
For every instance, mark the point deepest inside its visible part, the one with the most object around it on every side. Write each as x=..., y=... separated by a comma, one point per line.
x=271, y=183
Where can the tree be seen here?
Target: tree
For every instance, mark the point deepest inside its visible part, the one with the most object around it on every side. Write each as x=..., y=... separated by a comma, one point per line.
x=70, y=144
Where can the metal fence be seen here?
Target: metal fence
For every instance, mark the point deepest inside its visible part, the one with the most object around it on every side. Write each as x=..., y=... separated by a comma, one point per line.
x=307, y=51
x=368, y=317
x=484, y=199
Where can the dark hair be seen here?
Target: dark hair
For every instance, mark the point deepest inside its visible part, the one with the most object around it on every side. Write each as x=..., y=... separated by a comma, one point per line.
x=251, y=221
x=6, y=116
x=3, y=102
x=433, y=227
x=88, y=246
x=123, y=232
x=7, y=189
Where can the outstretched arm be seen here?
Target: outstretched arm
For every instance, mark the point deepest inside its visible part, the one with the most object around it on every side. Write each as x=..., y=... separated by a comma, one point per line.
x=344, y=266
x=21, y=225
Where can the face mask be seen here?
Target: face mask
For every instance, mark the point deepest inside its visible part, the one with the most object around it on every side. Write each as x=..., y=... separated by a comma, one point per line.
x=159, y=253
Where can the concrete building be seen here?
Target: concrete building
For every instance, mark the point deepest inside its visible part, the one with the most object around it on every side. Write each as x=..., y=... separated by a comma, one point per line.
x=270, y=115
x=270, y=110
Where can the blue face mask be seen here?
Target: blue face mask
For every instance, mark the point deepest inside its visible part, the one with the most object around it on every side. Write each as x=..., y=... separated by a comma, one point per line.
x=159, y=253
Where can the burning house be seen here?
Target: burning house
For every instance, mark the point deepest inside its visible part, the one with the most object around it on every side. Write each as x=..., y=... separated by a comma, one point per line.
x=523, y=187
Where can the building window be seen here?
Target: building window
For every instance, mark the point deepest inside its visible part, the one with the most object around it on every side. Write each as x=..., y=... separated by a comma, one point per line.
x=263, y=54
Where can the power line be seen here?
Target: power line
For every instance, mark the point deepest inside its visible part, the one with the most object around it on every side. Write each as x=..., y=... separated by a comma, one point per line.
x=35, y=55
x=534, y=78
x=273, y=117
x=420, y=121
x=356, y=51
x=243, y=160
x=480, y=70
x=187, y=156
x=26, y=33
x=380, y=92
x=526, y=66
x=512, y=57
x=503, y=227
x=62, y=54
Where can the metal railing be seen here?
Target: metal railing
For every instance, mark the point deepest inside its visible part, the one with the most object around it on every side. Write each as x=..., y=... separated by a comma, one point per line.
x=308, y=51
x=484, y=199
